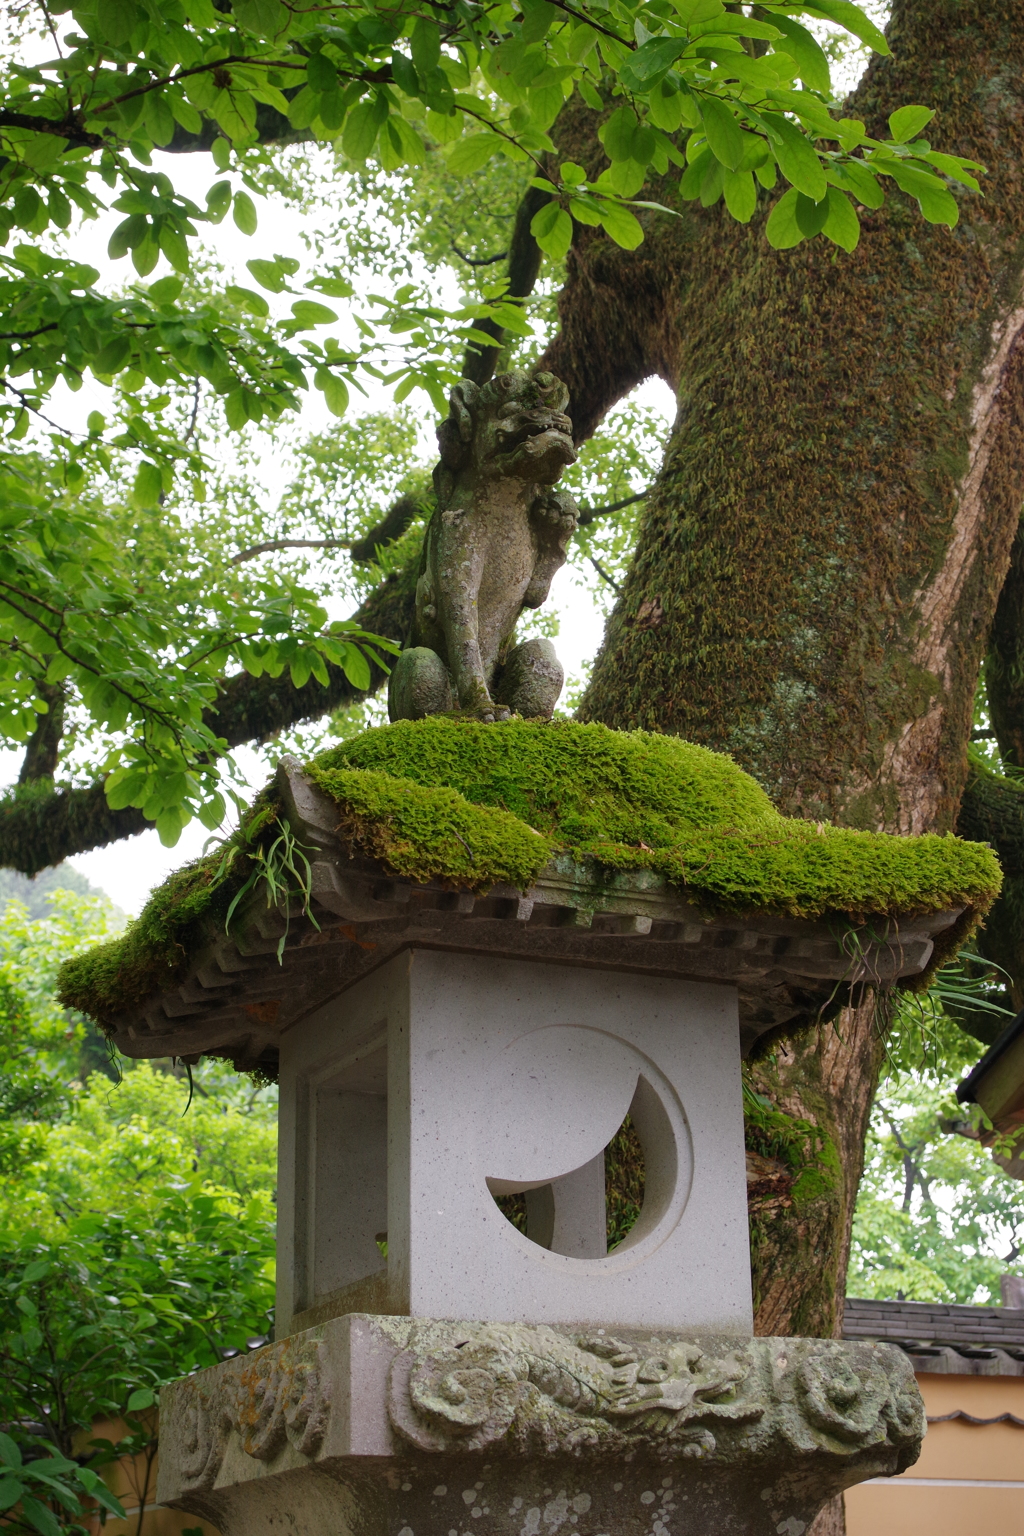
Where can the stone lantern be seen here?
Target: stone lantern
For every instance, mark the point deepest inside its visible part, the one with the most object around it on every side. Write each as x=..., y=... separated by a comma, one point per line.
x=437, y=1369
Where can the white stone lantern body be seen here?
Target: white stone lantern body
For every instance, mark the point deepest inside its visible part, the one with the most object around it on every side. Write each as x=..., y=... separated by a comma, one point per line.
x=445, y=1078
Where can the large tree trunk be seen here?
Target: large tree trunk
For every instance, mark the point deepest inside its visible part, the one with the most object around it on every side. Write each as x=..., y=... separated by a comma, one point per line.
x=819, y=564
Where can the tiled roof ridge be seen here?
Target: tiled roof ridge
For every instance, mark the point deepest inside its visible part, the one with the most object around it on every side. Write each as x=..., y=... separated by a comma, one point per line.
x=946, y=1337
x=1009, y=1316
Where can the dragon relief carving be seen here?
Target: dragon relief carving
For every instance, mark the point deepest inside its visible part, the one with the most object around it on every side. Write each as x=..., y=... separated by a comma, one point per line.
x=784, y=1406
x=274, y=1398
x=538, y=1391
x=498, y=535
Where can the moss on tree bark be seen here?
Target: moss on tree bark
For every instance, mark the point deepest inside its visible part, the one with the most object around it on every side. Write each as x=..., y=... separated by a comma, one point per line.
x=819, y=564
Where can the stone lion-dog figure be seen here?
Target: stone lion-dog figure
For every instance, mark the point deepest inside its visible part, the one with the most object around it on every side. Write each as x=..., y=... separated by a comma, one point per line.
x=498, y=535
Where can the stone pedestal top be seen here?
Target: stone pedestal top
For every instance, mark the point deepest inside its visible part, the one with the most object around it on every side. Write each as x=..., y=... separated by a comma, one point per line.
x=383, y=1426
x=237, y=999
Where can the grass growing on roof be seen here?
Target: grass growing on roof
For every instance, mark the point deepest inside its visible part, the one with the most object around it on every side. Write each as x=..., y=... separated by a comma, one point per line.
x=475, y=805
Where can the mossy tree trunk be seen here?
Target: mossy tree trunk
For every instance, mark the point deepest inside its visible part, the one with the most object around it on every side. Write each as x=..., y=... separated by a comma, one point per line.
x=820, y=561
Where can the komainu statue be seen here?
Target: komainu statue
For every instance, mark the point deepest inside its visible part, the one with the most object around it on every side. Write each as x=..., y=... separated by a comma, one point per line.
x=497, y=537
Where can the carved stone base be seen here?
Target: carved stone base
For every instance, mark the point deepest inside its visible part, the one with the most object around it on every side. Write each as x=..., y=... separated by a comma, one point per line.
x=386, y=1426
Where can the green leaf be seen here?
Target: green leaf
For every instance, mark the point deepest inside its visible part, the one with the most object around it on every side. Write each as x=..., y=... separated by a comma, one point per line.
x=334, y=390
x=842, y=225
x=331, y=110
x=174, y=247
x=116, y=19
x=362, y=126
x=853, y=19
x=625, y=177
x=782, y=230
x=145, y=256
x=39, y=1517
x=321, y=73
x=856, y=178
x=144, y=1397
x=245, y=298
x=955, y=168
x=10, y=1492
x=651, y=61
x=404, y=72
x=711, y=183
x=621, y=225
x=907, y=122
x=796, y=156
x=937, y=204
x=469, y=154
x=355, y=667
x=409, y=146
x=211, y=814
x=665, y=106
x=166, y=291
x=806, y=52
x=168, y=826
x=185, y=113
x=27, y=206
x=740, y=194
x=266, y=18
x=235, y=413
x=551, y=227
x=148, y=485
x=693, y=176
x=725, y=136
x=538, y=17
x=617, y=134
x=113, y=356
x=590, y=95
x=128, y=234
x=811, y=216
x=159, y=118
x=692, y=13
x=268, y=274
x=425, y=47
x=243, y=211
x=309, y=313
x=9, y=1452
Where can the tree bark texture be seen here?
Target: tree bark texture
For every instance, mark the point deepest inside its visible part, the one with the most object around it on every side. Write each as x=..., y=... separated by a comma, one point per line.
x=819, y=563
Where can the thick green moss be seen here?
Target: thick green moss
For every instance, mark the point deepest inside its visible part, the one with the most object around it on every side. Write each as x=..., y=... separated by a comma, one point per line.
x=456, y=799
x=476, y=805
x=155, y=949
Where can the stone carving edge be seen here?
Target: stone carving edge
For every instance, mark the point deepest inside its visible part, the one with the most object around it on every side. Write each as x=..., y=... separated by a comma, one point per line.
x=520, y=1391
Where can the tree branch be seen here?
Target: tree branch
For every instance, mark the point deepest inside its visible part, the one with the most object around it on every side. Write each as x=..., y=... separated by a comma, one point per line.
x=604, y=575
x=524, y=258
x=68, y=129
x=270, y=545
x=479, y=261
x=590, y=515
x=43, y=750
x=38, y=829
x=992, y=811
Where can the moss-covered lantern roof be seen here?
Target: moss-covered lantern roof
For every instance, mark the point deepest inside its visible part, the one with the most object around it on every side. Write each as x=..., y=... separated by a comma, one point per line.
x=561, y=840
